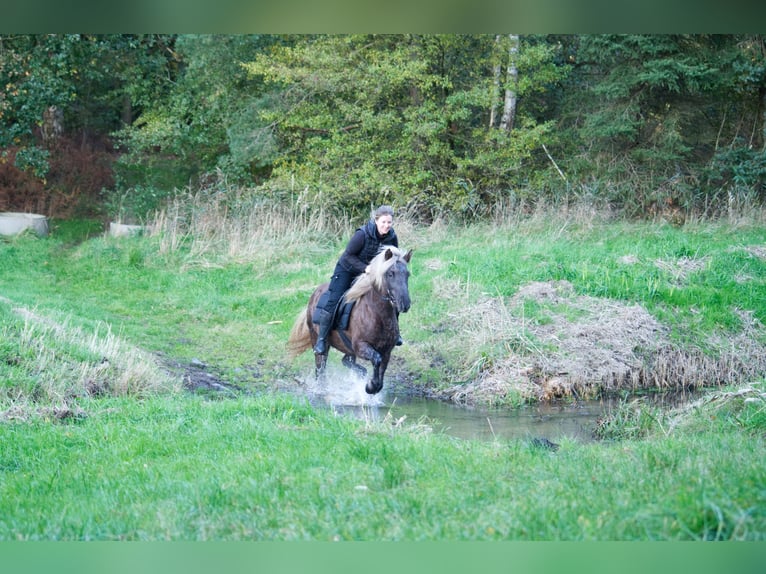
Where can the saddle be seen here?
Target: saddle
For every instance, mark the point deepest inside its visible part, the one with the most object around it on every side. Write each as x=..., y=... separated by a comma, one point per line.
x=340, y=315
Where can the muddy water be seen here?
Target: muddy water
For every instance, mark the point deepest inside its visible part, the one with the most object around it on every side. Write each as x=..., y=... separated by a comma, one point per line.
x=553, y=421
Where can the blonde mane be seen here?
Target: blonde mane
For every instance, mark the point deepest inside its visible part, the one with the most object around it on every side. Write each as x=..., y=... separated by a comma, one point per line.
x=374, y=277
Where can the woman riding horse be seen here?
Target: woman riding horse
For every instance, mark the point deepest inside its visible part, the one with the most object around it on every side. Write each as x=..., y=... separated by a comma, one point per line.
x=363, y=246
x=371, y=329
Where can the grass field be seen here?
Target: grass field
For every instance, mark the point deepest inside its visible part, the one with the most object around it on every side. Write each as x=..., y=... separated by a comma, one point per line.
x=102, y=442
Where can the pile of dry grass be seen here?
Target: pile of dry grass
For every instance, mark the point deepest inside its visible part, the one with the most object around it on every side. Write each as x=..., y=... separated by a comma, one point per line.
x=583, y=346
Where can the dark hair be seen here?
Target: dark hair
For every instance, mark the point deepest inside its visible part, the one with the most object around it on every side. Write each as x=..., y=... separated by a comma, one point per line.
x=383, y=210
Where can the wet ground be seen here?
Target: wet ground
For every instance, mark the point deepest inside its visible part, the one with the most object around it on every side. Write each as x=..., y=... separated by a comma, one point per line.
x=344, y=394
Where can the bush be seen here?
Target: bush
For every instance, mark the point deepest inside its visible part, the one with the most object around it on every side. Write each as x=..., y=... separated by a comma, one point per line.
x=62, y=181
x=19, y=189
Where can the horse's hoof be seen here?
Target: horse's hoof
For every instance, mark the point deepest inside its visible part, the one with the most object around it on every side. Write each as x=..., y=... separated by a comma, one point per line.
x=372, y=389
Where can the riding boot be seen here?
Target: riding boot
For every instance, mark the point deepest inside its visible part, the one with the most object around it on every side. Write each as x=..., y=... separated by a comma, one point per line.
x=325, y=324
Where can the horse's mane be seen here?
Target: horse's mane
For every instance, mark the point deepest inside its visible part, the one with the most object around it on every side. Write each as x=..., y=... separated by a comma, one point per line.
x=374, y=277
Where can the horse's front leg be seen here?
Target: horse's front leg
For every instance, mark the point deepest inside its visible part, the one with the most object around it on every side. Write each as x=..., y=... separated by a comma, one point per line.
x=368, y=352
x=376, y=383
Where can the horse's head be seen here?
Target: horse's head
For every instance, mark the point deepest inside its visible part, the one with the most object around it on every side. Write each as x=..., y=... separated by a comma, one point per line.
x=395, y=279
x=388, y=274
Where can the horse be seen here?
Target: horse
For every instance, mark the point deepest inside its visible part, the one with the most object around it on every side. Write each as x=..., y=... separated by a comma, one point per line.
x=378, y=296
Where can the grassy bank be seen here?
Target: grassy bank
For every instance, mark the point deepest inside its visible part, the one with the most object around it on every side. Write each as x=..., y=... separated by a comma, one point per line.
x=518, y=310
x=269, y=468
x=102, y=443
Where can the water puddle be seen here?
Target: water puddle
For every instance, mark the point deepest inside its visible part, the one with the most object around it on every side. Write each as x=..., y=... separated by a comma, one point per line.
x=572, y=419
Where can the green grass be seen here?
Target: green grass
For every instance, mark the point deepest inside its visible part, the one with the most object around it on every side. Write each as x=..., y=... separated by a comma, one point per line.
x=591, y=258
x=231, y=312
x=84, y=458
x=146, y=297
x=44, y=361
x=270, y=468
x=697, y=280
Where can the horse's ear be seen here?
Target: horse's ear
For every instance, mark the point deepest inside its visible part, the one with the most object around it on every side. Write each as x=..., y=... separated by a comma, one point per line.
x=408, y=255
x=389, y=254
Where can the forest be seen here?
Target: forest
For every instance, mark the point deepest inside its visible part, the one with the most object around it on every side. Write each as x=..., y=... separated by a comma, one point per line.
x=112, y=126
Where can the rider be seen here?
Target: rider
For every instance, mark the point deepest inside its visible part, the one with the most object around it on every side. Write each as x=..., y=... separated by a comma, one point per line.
x=360, y=250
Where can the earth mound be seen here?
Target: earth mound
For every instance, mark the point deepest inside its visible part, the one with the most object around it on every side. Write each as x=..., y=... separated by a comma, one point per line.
x=558, y=343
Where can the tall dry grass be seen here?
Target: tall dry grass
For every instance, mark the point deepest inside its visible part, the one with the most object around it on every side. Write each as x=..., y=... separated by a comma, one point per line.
x=56, y=362
x=226, y=223
x=239, y=226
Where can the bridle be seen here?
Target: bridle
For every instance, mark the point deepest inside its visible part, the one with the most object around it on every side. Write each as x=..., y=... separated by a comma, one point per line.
x=387, y=297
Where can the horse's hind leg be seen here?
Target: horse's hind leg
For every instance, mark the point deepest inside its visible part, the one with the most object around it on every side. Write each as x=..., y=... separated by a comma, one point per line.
x=349, y=361
x=320, y=361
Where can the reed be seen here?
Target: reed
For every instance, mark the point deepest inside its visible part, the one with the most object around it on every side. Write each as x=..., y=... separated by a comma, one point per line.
x=238, y=226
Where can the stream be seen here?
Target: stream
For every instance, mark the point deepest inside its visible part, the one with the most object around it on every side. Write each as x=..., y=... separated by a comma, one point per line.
x=573, y=419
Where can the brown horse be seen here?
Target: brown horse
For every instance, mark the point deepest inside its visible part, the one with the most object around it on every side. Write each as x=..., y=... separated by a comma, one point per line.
x=379, y=295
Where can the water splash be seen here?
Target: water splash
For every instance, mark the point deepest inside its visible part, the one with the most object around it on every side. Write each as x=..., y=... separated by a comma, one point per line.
x=343, y=388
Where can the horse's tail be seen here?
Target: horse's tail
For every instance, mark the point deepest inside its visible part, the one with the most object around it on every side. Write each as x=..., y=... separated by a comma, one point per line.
x=300, y=339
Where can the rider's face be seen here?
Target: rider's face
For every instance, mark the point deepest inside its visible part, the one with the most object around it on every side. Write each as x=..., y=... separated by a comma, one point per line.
x=384, y=224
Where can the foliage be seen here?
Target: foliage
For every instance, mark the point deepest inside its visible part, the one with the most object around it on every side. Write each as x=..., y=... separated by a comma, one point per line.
x=652, y=110
x=33, y=160
x=201, y=122
x=97, y=82
x=736, y=168
x=398, y=119
x=632, y=121
x=134, y=205
x=89, y=77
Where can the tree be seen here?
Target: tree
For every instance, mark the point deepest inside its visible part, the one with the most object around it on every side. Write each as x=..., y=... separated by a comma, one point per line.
x=511, y=86
x=645, y=109
x=60, y=97
x=203, y=121
x=363, y=119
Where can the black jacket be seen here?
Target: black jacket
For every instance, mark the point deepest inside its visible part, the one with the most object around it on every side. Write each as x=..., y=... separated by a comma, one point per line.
x=363, y=246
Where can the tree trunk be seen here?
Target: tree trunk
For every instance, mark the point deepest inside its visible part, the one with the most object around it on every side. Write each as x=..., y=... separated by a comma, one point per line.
x=762, y=110
x=509, y=108
x=495, y=86
x=127, y=111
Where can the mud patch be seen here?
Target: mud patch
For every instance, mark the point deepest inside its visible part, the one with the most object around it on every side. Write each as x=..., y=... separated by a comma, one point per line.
x=198, y=376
